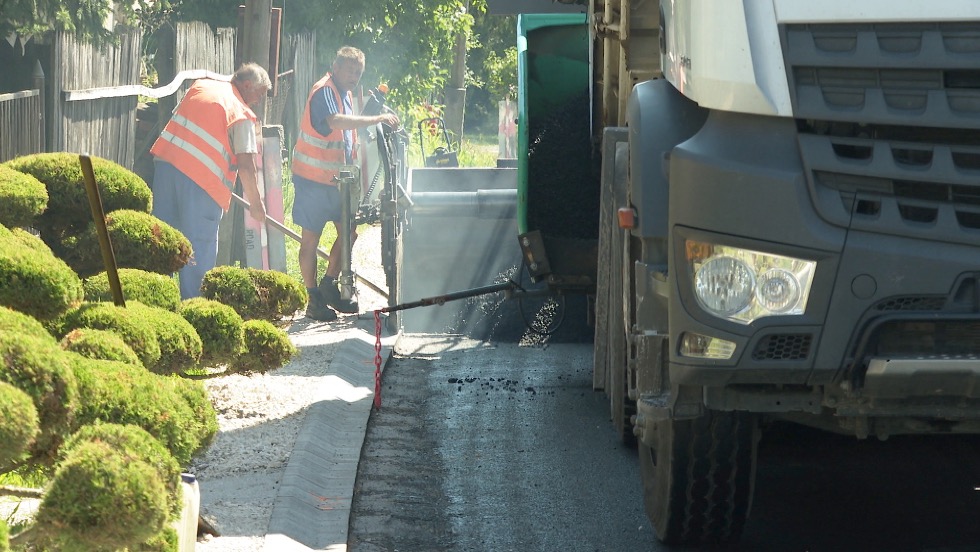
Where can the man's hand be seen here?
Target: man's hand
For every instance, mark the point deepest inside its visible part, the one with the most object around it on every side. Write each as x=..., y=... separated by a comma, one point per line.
x=256, y=209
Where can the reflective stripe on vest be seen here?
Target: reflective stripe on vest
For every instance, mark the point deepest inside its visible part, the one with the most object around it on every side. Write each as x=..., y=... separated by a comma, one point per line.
x=317, y=157
x=227, y=177
x=196, y=142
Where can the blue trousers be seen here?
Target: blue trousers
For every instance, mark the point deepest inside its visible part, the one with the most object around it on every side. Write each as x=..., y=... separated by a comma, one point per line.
x=181, y=203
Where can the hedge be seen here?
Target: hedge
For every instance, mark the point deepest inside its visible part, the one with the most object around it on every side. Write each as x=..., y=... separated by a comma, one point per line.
x=150, y=288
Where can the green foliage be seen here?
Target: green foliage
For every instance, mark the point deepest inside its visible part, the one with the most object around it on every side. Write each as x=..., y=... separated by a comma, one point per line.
x=68, y=209
x=99, y=344
x=12, y=321
x=266, y=348
x=175, y=411
x=4, y=537
x=232, y=286
x=218, y=326
x=409, y=45
x=139, y=444
x=102, y=498
x=40, y=369
x=127, y=323
x=139, y=240
x=165, y=541
x=22, y=198
x=282, y=294
x=19, y=425
x=34, y=281
x=180, y=346
x=254, y=294
x=83, y=18
x=32, y=242
x=150, y=288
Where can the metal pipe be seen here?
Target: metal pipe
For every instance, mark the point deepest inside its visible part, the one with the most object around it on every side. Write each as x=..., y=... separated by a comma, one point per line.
x=509, y=285
x=98, y=218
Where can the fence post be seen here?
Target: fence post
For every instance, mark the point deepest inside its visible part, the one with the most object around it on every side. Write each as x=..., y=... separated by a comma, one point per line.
x=38, y=79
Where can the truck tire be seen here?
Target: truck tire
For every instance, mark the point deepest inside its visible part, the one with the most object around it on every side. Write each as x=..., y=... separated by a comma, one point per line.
x=699, y=477
x=621, y=407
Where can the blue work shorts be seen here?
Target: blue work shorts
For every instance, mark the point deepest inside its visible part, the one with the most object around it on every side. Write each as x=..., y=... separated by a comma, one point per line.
x=314, y=204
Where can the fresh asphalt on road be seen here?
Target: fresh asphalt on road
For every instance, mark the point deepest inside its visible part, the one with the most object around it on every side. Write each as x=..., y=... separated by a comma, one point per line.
x=491, y=445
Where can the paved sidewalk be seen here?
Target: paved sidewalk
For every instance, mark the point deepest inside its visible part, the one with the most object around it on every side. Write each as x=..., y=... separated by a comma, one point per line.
x=312, y=506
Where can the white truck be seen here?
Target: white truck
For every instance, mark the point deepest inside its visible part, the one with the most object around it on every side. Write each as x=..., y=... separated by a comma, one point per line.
x=776, y=209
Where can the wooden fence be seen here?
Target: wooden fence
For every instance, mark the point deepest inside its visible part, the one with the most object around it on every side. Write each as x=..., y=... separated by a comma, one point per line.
x=103, y=127
x=93, y=92
x=21, y=124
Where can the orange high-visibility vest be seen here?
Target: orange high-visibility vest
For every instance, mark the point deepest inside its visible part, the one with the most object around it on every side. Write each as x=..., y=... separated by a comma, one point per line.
x=317, y=157
x=196, y=141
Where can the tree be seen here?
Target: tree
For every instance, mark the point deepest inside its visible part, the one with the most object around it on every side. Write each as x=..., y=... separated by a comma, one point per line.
x=408, y=44
x=492, y=73
x=85, y=18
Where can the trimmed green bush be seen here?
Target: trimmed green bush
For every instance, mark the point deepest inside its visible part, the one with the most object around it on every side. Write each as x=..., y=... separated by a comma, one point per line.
x=134, y=329
x=99, y=344
x=35, y=282
x=40, y=369
x=137, y=442
x=102, y=498
x=282, y=294
x=254, y=294
x=12, y=321
x=68, y=206
x=19, y=424
x=266, y=348
x=22, y=198
x=4, y=537
x=31, y=241
x=232, y=286
x=150, y=288
x=180, y=346
x=168, y=408
x=139, y=240
x=165, y=541
x=218, y=326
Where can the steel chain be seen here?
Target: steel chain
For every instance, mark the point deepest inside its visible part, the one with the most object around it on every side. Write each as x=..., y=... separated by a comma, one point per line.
x=377, y=359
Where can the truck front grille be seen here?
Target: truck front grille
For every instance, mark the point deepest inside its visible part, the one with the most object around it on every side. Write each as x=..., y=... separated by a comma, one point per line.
x=783, y=347
x=922, y=74
x=887, y=117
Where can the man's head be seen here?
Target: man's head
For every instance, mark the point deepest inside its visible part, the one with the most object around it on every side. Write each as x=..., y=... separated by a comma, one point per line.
x=252, y=82
x=347, y=68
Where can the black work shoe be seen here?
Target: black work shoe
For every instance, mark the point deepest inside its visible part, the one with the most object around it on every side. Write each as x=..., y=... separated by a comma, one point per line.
x=331, y=296
x=318, y=310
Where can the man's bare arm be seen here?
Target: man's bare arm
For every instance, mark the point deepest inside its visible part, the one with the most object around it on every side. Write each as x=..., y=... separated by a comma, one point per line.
x=341, y=121
x=248, y=172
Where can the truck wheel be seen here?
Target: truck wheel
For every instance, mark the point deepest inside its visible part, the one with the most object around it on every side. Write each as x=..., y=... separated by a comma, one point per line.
x=699, y=477
x=620, y=292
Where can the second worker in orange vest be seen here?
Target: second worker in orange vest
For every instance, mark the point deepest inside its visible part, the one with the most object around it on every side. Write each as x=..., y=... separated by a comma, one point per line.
x=326, y=142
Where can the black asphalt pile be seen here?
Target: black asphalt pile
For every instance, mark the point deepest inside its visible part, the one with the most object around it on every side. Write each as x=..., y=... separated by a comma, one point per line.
x=563, y=173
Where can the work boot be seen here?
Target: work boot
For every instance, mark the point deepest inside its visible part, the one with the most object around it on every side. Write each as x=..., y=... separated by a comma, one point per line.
x=317, y=309
x=331, y=296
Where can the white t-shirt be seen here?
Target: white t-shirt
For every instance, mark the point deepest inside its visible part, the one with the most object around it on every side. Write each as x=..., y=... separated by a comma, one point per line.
x=242, y=137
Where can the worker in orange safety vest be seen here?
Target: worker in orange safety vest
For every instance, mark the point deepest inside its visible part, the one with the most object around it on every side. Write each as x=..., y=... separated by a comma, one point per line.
x=209, y=142
x=326, y=142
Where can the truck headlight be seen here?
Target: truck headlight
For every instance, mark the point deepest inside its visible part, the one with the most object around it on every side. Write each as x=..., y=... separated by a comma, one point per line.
x=744, y=285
